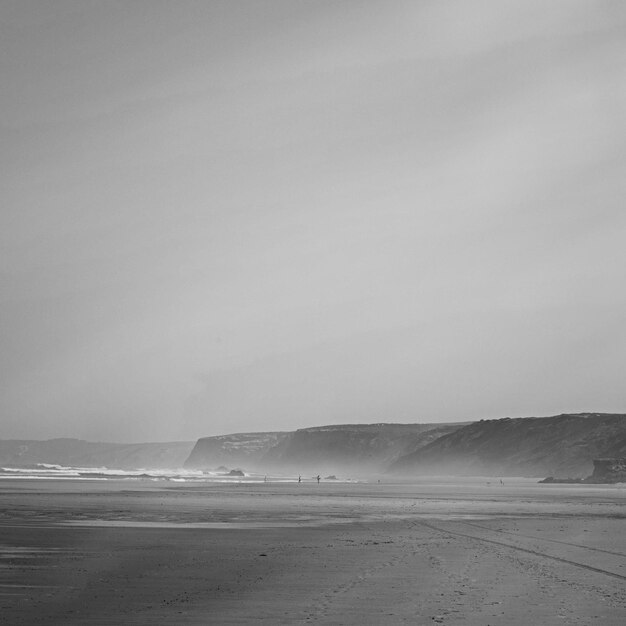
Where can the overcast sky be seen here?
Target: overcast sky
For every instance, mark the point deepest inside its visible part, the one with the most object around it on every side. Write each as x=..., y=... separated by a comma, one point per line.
x=232, y=216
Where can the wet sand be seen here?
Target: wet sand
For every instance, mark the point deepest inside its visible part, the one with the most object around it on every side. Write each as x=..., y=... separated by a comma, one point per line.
x=114, y=552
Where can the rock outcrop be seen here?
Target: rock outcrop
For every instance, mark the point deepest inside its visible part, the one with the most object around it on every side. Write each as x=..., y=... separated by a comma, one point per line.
x=236, y=472
x=605, y=471
x=608, y=471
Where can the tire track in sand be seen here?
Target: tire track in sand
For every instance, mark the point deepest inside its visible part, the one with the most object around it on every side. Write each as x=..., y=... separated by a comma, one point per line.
x=565, y=543
x=559, y=559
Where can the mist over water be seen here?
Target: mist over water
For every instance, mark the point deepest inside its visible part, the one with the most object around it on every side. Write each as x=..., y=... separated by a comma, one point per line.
x=48, y=471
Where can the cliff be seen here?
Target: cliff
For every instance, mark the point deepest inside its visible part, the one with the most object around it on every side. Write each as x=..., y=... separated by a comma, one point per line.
x=79, y=453
x=323, y=449
x=351, y=447
x=239, y=449
x=562, y=445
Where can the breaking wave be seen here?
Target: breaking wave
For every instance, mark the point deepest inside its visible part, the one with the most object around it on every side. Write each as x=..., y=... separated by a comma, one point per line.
x=50, y=471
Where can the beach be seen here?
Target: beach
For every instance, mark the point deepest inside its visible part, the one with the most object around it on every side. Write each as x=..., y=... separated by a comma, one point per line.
x=439, y=551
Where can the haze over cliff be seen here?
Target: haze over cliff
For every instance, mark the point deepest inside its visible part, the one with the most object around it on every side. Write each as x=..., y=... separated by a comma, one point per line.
x=364, y=448
x=235, y=450
x=561, y=445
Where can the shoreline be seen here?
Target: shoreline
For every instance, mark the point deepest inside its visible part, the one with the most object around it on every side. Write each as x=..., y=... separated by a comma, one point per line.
x=338, y=554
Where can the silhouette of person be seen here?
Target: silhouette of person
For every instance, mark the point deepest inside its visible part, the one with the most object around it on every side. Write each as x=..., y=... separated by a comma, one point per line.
x=318, y=479
x=299, y=479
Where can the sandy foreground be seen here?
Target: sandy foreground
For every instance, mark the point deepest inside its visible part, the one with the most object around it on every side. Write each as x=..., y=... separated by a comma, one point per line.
x=120, y=552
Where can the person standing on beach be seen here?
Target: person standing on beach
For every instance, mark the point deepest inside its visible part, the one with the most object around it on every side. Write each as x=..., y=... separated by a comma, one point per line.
x=318, y=479
x=299, y=479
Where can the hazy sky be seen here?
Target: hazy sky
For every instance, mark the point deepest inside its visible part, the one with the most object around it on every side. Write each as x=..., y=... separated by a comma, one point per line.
x=231, y=216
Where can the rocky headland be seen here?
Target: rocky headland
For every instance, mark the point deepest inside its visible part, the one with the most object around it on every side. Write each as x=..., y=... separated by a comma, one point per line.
x=360, y=448
x=585, y=447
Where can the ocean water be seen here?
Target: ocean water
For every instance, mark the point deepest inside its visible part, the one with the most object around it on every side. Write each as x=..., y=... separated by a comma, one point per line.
x=49, y=471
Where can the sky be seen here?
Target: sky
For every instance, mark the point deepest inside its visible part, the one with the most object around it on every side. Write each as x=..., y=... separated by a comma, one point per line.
x=238, y=216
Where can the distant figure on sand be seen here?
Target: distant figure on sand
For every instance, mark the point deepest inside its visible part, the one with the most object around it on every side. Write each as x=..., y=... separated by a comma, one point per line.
x=299, y=479
x=318, y=479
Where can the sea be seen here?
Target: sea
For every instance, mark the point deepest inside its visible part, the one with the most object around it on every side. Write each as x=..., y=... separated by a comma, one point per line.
x=50, y=471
